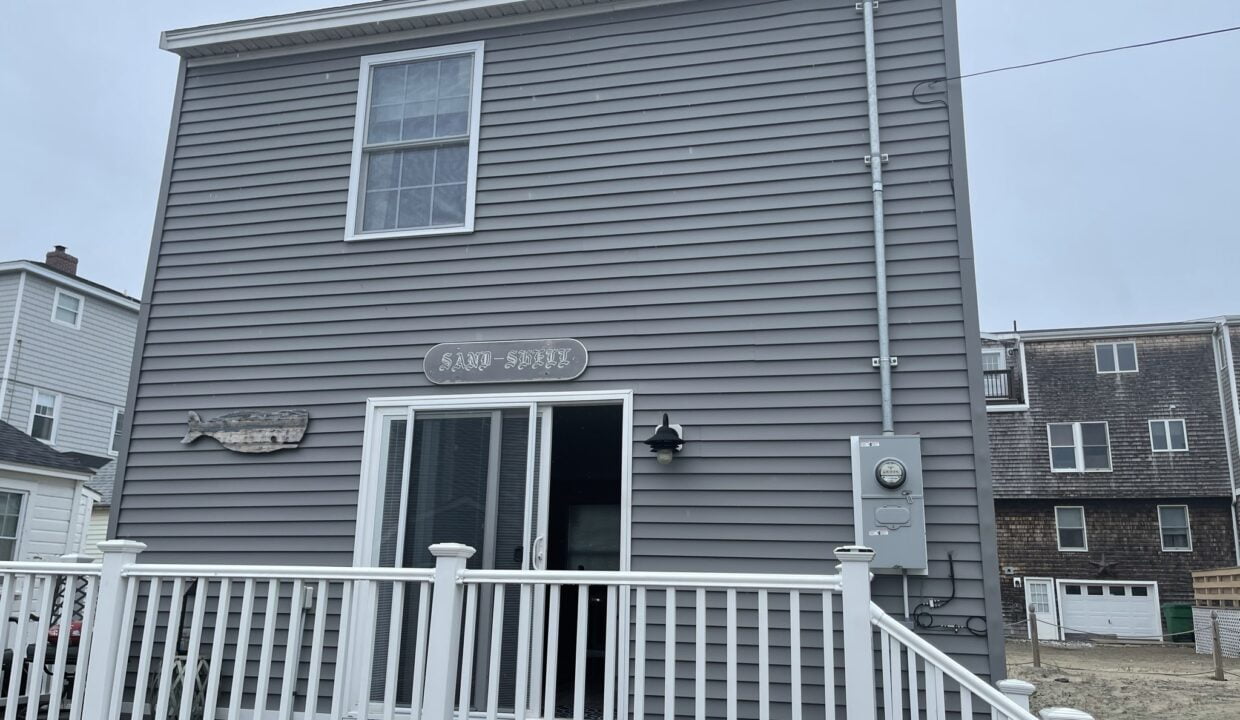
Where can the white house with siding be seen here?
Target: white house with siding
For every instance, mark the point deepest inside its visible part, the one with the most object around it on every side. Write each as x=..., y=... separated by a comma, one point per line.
x=67, y=346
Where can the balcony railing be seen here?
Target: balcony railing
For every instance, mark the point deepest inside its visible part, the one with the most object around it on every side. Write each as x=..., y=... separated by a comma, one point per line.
x=1001, y=385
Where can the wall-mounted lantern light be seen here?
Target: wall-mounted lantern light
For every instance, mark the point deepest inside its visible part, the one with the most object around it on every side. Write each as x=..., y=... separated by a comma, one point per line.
x=667, y=441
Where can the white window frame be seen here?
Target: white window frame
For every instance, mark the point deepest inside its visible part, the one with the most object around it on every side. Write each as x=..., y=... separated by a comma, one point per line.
x=1166, y=423
x=1136, y=358
x=34, y=402
x=117, y=413
x=1002, y=358
x=1079, y=446
x=77, y=325
x=353, y=213
x=21, y=520
x=1188, y=527
x=1084, y=531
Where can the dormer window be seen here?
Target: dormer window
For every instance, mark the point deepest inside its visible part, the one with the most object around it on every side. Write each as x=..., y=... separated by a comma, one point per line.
x=415, y=144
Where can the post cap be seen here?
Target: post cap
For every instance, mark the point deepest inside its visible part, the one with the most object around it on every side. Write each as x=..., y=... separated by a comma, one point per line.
x=76, y=558
x=452, y=550
x=1012, y=686
x=1063, y=713
x=121, y=546
x=854, y=553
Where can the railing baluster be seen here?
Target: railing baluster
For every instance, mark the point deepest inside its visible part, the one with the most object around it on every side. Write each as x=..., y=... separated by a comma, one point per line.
x=669, y=655
x=80, y=665
x=366, y=666
x=553, y=648
x=609, y=658
x=794, y=650
x=828, y=652
x=267, y=648
x=316, y=649
x=914, y=701
x=731, y=638
x=172, y=635
x=219, y=639
x=884, y=648
x=497, y=646
x=62, y=644
x=537, y=648
x=419, y=658
x=520, y=692
x=190, y=678
x=292, y=651
x=7, y=583
x=579, y=674
x=396, y=623
x=128, y=617
x=764, y=657
x=699, y=659
x=966, y=703
x=19, y=641
x=34, y=683
x=467, y=652
x=340, y=660
x=239, y=668
x=932, y=693
x=639, y=658
x=897, y=696
x=144, y=653
x=940, y=692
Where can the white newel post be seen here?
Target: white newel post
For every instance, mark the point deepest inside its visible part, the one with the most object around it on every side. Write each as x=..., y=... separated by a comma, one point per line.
x=443, y=643
x=109, y=618
x=1061, y=713
x=858, y=634
x=1018, y=691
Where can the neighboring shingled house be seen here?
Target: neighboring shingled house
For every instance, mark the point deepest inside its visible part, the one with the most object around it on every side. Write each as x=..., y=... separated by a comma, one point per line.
x=1114, y=463
x=67, y=346
x=44, y=502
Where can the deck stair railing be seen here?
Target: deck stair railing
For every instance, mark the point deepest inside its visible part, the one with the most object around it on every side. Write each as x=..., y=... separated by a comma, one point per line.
x=452, y=643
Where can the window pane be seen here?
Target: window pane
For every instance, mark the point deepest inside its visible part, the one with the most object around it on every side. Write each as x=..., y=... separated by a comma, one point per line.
x=1127, y=354
x=382, y=170
x=1175, y=540
x=452, y=164
x=449, y=205
x=417, y=167
x=992, y=360
x=1061, y=434
x=1115, y=589
x=1094, y=590
x=1097, y=458
x=1072, y=589
x=379, y=212
x=387, y=85
x=1063, y=458
x=452, y=117
x=415, y=208
x=1173, y=517
x=66, y=315
x=6, y=549
x=1093, y=433
x=1106, y=357
x=1158, y=435
x=116, y=431
x=1071, y=538
x=384, y=124
x=1070, y=517
x=1139, y=591
x=454, y=75
x=419, y=120
x=422, y=81
x=41, y=428
x=1179, y=440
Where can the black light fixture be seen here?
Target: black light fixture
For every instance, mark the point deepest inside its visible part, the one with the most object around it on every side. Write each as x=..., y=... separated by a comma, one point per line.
x=666, y=441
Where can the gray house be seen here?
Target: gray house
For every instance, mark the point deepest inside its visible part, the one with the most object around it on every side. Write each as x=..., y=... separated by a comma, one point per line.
x=487, y=247
x=66, y=344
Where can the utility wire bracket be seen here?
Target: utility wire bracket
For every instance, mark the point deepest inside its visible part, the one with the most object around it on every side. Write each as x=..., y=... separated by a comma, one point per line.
x=861, y=5
x=882, y=158
x=878, y=362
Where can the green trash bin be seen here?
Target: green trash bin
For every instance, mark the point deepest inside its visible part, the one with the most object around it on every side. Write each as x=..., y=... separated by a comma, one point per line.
x=1179, y=620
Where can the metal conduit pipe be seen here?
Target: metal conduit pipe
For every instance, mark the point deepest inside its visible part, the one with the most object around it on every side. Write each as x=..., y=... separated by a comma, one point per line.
x=880, y=248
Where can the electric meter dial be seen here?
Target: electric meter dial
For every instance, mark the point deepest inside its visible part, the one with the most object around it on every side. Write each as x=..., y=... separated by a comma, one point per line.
x=890, y=473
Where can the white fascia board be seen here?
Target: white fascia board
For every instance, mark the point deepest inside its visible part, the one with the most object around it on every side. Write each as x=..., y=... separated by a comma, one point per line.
x=69, y=282
x=45, y=472
x=1114, y=331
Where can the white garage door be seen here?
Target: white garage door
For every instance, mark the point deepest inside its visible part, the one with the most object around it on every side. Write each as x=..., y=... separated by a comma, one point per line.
x=1127, y=610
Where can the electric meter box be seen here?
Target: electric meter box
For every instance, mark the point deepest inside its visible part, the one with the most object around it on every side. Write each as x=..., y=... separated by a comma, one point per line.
x=889, y=504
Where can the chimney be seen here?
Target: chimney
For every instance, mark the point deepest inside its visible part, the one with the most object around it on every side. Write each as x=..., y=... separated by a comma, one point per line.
x=60, y=260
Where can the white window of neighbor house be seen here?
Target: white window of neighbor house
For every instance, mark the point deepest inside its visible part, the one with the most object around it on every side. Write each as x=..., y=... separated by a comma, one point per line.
x=1070, y=528
x=1115, y=357
x=67, y=309
x=118, y=422
x=993, y=360
x=1168, y=436
x=1174, y=529
x=44, y=409
x=10, y=522
x=1079, y=447
x=415, y=143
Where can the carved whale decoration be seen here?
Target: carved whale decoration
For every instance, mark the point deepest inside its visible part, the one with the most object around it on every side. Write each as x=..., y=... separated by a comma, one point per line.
x=251, y=431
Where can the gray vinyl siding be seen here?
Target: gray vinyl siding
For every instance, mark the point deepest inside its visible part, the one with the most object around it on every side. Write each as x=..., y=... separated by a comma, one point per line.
x=681, y=188
x=88, y=367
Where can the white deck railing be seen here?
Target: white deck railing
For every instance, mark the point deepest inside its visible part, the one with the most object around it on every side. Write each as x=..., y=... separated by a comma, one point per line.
x=450, y=643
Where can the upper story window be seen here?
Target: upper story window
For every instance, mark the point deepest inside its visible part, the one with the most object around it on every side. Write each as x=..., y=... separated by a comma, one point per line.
x=993, y=360
x=1168, y=436
x=1116, y=357
x=67, y=309
x=44, y=409
x=1173, y=527
x=10, y=521
x=118, y=424
x=1070, y=528
x=415, y=143
x=1079, y=447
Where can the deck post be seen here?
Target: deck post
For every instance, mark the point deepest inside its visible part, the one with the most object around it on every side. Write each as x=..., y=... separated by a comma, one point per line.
x=1018, y=691
x=443, y=644
x=858, y=634
x=109, y=620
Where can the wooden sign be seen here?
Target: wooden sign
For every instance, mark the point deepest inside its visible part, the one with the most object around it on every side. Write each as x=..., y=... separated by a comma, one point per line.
x=502, y=361
x=251, y=431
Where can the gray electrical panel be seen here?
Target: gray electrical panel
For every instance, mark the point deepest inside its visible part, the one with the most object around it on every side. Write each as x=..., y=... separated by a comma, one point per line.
x=889, y=505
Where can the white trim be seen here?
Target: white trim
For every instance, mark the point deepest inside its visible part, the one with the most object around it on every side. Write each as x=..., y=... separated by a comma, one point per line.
x=34, y=402
x=1188, y=526
x=1084, y=532
x=353, y=211
x=81, y=308
x=77, y=285
x=1078, y=445
x=1056, y=629
x=44, y=472
x=8, y=352
x=1001, y=352
x=1223, y=334
x=1007, y=408
x=1136, y=360
x=18, y=541
x=112, y=449
x=1166, y=423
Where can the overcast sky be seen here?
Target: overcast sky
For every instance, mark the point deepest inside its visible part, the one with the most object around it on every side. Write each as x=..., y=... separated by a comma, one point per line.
x=1104, y=189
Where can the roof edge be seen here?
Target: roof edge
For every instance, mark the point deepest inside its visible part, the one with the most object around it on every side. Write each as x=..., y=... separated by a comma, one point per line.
x=1193, y=327
x=78, y=284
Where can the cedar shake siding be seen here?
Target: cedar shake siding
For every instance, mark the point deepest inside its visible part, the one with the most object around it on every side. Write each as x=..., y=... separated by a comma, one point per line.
x=681, y=188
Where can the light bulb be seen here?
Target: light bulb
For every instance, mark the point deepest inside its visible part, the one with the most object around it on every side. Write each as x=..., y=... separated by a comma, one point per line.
x=665, y=456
